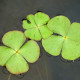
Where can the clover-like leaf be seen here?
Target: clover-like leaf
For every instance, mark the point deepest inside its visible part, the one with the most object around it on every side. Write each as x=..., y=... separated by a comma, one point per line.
x=13, y=56
x=70, y=50
x=68, y=40
x=5, y=54
x=14, y=39
x=37, y=28
x=74, y=32
x=59, y=25
x=17, y=64
x=53, y=44
x=30, y=51
x=33, y=33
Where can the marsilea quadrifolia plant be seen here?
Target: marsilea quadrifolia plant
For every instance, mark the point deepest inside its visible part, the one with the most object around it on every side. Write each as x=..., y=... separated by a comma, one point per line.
x=67, y=41
x=37, y=27
x=14, y=54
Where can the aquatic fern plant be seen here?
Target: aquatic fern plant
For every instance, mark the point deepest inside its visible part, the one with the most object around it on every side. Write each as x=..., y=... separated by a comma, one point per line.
x=58, y=35
x=67, y=40
x=14, y=54
x=37, y=27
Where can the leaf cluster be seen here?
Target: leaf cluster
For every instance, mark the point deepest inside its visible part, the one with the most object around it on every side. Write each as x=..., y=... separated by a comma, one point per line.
x=15, y=54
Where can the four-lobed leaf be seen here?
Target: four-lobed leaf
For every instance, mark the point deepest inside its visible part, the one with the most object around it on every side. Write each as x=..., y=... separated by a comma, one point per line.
x=13, y=56
x=67, y=41
x=37, y=28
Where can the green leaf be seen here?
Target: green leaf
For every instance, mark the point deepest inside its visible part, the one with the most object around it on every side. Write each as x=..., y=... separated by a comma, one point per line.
x=45, y=32
x=59, y=25
x=31, y=18
x=14, y=39
x=33, y=34
x=27, y=25
x=13, y=58
x=53, y=44
x=34, y=28
x=74, y=32
x=41, y=18
x=17, y=65
x=70, y=50
x=67, y=38
x=30, y=51
x=5, y=54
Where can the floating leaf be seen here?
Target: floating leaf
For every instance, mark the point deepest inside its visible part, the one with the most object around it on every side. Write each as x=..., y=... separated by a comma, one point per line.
x=70, y=50
x=44, y=31
x=30, y=25
x=53, y=44
x=17, y=65
x=41, y=18
x=33, y=34
x=74, y=32
x=14, y=39
x=13, y=55
x=5, y=54
x=30, y=51
x=68, y=40
x=59, y=25
x=37, y=26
